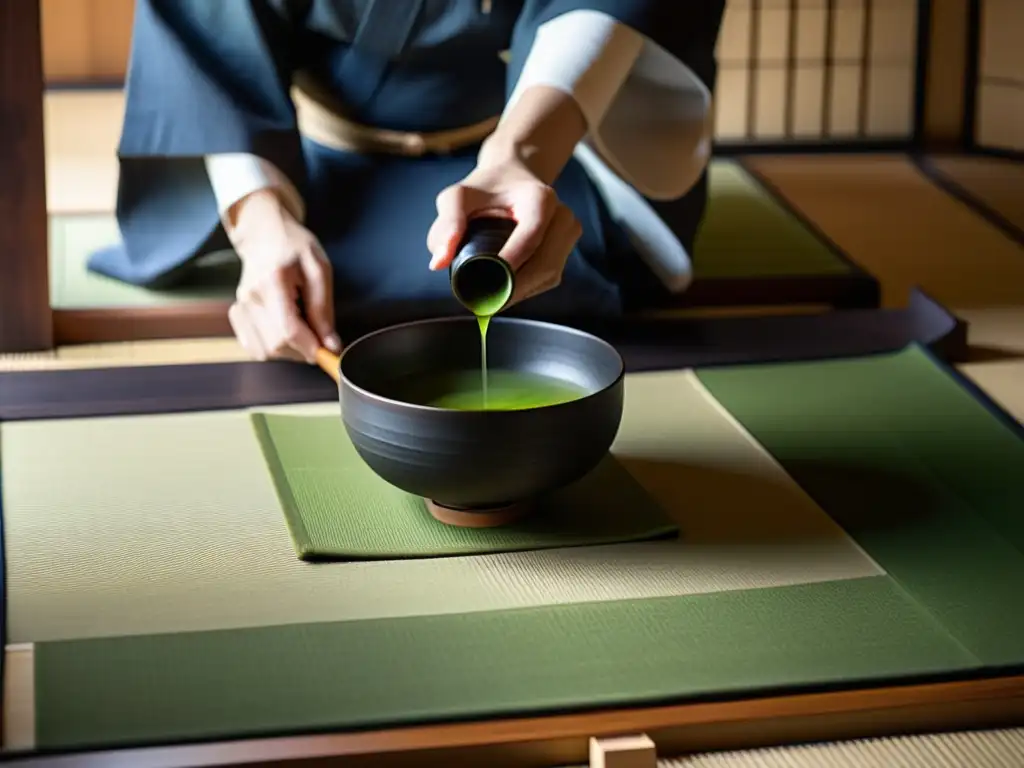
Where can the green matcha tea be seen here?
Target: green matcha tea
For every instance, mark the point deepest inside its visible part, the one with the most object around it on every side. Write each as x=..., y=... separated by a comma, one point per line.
x=506, y=391
x=489, y=301
x=483, y=321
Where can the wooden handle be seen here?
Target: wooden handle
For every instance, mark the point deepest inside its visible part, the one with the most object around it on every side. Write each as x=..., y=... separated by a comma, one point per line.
x=329, y=363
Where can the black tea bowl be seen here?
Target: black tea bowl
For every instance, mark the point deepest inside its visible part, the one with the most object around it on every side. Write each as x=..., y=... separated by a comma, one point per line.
x=479, y=467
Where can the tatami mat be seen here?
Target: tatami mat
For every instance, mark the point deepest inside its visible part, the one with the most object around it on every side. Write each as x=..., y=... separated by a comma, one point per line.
x=206, y=546
x=997, y=183
x=165, y=352
x=73, y=286
x=903, y=229
x=82, y=129
x=892, y=220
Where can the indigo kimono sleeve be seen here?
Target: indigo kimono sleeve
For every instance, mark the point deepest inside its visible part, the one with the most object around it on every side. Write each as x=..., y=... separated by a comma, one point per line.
x=204, y=78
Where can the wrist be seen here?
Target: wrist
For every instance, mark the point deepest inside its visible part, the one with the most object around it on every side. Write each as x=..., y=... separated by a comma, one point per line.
x=503, y=150
x=539, y=132
x=256, y=211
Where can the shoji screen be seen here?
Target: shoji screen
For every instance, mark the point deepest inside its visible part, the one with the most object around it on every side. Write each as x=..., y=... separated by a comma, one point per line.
x=805, y=71
x=999, y=117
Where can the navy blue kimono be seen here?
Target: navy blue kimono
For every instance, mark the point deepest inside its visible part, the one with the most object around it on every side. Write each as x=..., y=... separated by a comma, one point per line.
x=213, y=76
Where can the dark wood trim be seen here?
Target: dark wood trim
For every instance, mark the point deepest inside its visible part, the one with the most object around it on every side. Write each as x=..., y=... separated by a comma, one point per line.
x=926, y=166
x=921, y=59
x=1014, y=155
x=864, y=95
x=753, y=52
x=972, y=73
x=25, y=320
x=828, y=80
x=946, y=71
x=855, y=290
x=184, y=321
x=734, y=148
x=563, y=739
x=646, y=344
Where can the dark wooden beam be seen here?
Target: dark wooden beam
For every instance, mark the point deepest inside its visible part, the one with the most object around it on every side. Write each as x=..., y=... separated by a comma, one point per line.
x=26, y=322
x=947, y=72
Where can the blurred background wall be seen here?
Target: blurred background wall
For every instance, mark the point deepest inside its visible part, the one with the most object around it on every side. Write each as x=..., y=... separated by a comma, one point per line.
x=792, y=71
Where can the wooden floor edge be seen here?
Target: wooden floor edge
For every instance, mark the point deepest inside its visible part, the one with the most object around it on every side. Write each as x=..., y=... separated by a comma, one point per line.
x=19, y=699
x=564, y=739
x=96, y=326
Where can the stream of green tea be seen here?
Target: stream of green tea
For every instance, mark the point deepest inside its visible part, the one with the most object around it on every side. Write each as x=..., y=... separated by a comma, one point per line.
x=493, y=390
x=483, y=321
x=486, y=390
x=484, y=310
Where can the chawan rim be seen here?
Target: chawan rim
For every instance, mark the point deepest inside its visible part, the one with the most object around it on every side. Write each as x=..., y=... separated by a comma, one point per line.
x=347, y=382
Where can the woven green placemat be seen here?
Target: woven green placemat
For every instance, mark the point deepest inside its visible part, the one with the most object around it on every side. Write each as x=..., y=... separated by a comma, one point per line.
x=336, y=507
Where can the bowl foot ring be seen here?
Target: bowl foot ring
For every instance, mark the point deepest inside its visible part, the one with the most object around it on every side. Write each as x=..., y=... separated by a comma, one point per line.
x=492, y=517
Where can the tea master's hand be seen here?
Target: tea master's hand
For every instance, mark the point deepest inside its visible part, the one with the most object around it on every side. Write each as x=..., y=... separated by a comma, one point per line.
x=515, y=169
x=282, y=262
x=546, y=230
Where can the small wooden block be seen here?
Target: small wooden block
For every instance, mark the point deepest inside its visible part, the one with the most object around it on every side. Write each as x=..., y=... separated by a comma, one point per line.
x=19, y=698
x=623, y=752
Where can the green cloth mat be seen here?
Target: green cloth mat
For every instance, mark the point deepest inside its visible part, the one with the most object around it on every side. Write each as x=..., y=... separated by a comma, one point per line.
x=745, y=233
x=336, y=507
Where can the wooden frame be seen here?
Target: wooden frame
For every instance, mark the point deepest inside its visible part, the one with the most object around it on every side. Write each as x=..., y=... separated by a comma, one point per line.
x=26, y=322
x=563, y=739
x=945, y=92
x=97, y=326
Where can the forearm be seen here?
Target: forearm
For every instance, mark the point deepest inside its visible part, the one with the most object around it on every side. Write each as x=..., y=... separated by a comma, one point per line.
x=541, y=131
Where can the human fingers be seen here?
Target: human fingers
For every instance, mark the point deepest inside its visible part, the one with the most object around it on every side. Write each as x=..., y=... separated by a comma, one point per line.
x=543, y=271
x=533, y=207
x=277, y=317
x=317, y=289
x=245, y=331
x=454, y=206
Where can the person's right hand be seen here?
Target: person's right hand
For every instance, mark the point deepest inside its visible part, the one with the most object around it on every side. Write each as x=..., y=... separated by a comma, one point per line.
x=282, y=263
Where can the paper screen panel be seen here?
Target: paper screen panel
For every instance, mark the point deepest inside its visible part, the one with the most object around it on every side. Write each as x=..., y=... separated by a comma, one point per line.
x=999, y=119
x=811, y=70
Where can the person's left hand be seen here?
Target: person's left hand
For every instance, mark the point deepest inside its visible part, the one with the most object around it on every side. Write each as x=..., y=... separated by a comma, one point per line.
x=546, y=230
